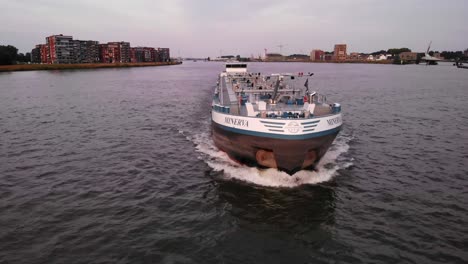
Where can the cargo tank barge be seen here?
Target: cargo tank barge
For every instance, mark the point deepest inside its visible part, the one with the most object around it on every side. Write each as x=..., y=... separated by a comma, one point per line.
x=272, y=121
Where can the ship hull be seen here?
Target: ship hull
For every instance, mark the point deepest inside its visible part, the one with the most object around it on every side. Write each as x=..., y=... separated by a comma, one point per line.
x=289, y=155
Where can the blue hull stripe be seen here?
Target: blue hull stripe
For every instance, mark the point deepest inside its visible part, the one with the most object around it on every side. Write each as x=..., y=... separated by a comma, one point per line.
x=273, y=123
x=312, y=122
x=278, y=136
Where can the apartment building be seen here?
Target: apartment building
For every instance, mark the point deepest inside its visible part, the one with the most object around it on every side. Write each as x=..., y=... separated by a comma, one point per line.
x=143, y=54
x=340, y=52
x=36, y=54
x=163, y=54
x=115, y=52
x=317, y=55
x=86, y=51
x=60, y=49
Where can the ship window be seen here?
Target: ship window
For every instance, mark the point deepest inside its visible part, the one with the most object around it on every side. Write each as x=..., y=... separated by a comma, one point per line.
x=236, y=66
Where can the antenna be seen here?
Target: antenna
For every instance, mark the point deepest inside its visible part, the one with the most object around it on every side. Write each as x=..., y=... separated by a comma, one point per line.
x=281, y=48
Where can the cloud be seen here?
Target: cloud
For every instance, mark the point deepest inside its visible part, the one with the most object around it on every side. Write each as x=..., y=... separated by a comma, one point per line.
x=204, y=27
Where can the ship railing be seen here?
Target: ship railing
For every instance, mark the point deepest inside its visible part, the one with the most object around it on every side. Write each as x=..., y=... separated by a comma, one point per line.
x=285, y=114
x=308, y=111
x=292, y=111
x=298, y=114
x=267, y=87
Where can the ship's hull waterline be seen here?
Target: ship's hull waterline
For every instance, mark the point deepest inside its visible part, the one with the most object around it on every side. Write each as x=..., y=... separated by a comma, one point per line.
x=289, y=155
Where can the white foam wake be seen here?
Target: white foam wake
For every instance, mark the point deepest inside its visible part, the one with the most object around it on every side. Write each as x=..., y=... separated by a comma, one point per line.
x=219, y=161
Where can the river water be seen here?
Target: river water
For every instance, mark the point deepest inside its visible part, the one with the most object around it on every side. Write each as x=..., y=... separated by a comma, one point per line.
x=117, y=166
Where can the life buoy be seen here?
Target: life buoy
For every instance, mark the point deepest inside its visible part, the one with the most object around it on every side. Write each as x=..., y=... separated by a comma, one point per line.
x=305, y=99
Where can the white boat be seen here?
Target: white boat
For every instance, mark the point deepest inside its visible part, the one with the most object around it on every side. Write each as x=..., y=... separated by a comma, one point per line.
x=272, y=120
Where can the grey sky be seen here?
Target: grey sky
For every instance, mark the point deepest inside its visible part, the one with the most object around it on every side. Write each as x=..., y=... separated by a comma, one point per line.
x=203, y=28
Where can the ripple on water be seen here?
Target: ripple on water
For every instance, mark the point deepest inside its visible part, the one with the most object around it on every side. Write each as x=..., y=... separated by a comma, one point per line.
x=93, y=170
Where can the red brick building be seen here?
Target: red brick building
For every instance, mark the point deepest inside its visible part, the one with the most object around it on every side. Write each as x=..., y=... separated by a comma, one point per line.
x=39, y=54
x=115, y=52
x=317, y=55
x=44, y=53
x=64, y=49
x=340, y=52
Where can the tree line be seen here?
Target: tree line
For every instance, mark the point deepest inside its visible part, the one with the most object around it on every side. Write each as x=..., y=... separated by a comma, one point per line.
x=448, y=55
x=9, y=55
x=452, y=55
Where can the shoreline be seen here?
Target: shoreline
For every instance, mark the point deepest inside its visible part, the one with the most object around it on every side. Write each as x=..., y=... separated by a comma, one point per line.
x=309, y=61
x=80, y=66
x=339, y=62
